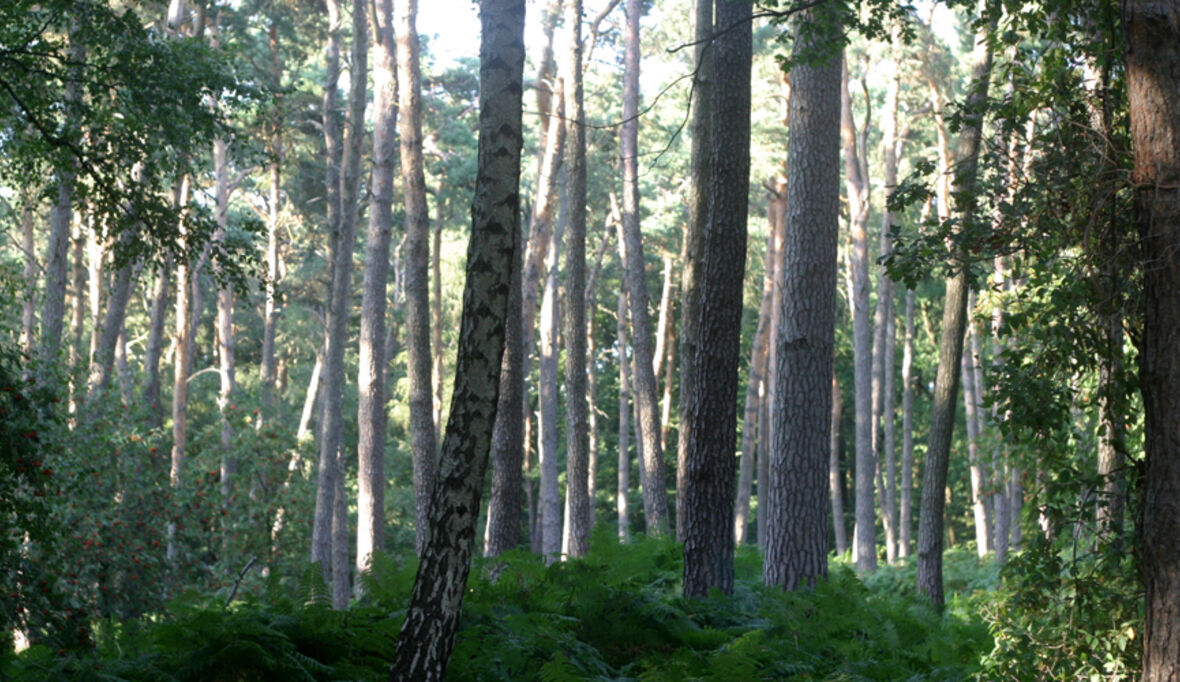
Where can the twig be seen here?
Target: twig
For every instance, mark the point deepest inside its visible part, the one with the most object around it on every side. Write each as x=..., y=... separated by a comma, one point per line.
x=237, y=583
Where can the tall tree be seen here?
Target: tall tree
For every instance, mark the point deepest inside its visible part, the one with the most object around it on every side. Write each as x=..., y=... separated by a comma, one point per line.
x=856, y=175
x=694, y=230
x=950, y=350
x=655, y=503
x=1152, y=38
x=428, y=633
x=423, y=437
x=371, y=415
x=834, y=487
x=797, y=532
x=709, y=489
x=550, y=503
x=624, y=444
x=905, y=508
x=275, y=169
x=577, y=445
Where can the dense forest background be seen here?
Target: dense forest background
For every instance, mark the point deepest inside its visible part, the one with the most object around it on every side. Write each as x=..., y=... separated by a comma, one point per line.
x=735, y=341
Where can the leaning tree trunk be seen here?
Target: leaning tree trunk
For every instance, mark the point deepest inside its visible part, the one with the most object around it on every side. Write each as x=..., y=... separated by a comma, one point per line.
x=428, y=634
x=694, y=230
x=1153, y=89
x=371, y=415
x=423, y=437
x=797, y=533
x=946, y=387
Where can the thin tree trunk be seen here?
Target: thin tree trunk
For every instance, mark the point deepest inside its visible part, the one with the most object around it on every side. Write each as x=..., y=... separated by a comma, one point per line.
x=905, y=521
x=754, y=388
x=28, y=305
x=270, y=311
x=624, y=467
x=942, y=422
x=592, y=371
x=225, y=325
x=423, y=436
x=371, y=416
x=181, y=366
x=311, y=397
x=436, y=312
x=550, y=493
x=766, y=418
x=797, y=539
x=339, y=266
x=865, y=549
x=834, y=487
x=110, y=329
x=889, y=435
x=694, y=229
x=1152, y=37
x=155, y=345
x=428, y=634
x=971, y=402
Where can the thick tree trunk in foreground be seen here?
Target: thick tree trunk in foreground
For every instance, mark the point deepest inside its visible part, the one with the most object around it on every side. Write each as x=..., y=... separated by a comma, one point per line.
x=694, y=230
x=708, y=539
x=797, y=532
x=1153, y=87
x=428, y=634
x=423, y=437
x=371, y=415
x=950, y=350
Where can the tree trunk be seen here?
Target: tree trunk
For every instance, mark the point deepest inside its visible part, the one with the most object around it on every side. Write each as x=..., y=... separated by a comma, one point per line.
x=834, y=487
x=436, y=340
x=339, y=265
x=971, y=403
x=655, y=503
x=28, y=305
x=550, y=504
x=181, y=366
x=946, y=387
x=423, y=436
x=856, y=175
x=592, y=410
x=311, y=398
x=754, y=389
x=270, y=310
x=109, y=330
x=694, y=230
x=371, y=415
x=709, y=490
x=155, y=345
x=428, y=634
x=797, y=536
x=1153, y=83
x=905, y=521
x=624, y=466
x=225, y=325
x=662, y=358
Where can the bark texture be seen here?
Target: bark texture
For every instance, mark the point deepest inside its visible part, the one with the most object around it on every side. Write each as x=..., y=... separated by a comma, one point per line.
x=797, y=527
x=1153, y=88
x=423, y=437
x=427, y=636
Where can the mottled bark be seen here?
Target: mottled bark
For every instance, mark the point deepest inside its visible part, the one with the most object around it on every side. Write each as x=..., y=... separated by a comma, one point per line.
x=371, y=414
x=1153, y=89
x=423, y=436
x=797, y=536
x=694, y=229
x=946, y=387
x=428, y=633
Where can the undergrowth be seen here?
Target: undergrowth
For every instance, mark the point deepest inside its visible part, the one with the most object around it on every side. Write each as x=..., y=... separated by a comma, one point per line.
x=616, y=615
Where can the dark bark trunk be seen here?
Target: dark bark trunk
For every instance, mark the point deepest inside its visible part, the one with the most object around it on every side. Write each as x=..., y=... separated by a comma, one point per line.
x=835, y=489
x=1153, y=84
x=428, y=634
x=709, y=489
x=797, y=533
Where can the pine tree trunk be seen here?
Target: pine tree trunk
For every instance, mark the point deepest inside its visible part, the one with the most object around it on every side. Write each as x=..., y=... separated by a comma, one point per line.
x=905, y=521
x=624, y=466
x=694, y=230
x=797, y=533
x=428, y=634
x=709, y=489
x=835, y=489
x=423, y=436
x=1153, y=82
x=754, y=388
x=550, y=511
x=339, y=265
x=865, y=549
x=946, y=387
x=371, y=415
